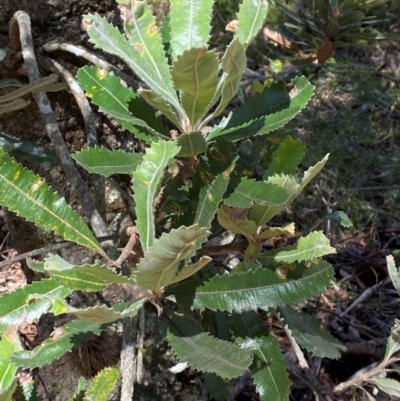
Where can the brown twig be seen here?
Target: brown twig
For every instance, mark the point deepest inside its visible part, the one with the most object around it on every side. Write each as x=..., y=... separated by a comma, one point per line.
x=89, y=123
x=359, y=379
x=82, y=52
x=36, y=252
x=128, y=250
x=22, y=19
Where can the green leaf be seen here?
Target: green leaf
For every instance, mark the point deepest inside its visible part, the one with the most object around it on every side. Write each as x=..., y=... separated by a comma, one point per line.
x=190, y=24
x=102, y=314
x=163, y=260
x=262, y=214
x=27, y=150
x=210, y=197
x=29, y=196
x=100, y=160
x=339, y=217
x=194, y=74
x=310, y=247
x=192, y=144
x=55, y=347
x=251, y=16
x=8, y=394
x=143, y=53
x=101, y=386
x=9, y=343
x=268, y=368
x=146, y=184
x=389, y=386
x=233, y=65
x=311, y=334
x=393, y=342
x=203, y=352
x=261, y=288
x=393, y=272
x=106, y=91
x=265, y=112
x=311, y=173
x=250, y=192
x=82, y=277
x=18, y=308
x=287, y=157
x=217, y=388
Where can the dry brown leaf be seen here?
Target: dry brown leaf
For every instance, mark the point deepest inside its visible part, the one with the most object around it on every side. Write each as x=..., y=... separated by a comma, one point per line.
x=325, y=50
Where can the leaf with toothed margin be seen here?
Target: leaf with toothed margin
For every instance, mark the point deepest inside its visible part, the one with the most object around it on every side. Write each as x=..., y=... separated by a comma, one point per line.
x=146, y=184
x=9, y=343
x=100, y=160
x=202, y=351
x=149, y=63
x=84, y=277
x=188, y=29
x=30, y=302
x=29, y=196
x=262, y=288
x=165, y=261
x=102, y=384
x=311, y=334
x=310, y=247
x=56, y=346
x=251, y=16
x=266, y=111
x=101, y=314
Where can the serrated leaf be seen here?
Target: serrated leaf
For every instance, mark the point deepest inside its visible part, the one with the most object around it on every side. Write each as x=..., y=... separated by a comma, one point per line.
x=16, y=307
x=311, y=173
x=100, y=160
x=192, y=144
x=9, y=343
x=84, y=277
x=340, y=217
x=194, y=74
x=287, y=157
x=389, y=386
x=102, y=314
x=310, y=247
x=261, y=288
x=311, y=334
x=163, y=261
x=393, y=272
x=203, y=352
x=265, y=112
x=268, y=368
x=8, y=394
x=393, y=342
x=146, y=184
x=106, y=91
x=191, y=269
x=190, y=24
x=210, y=197
x=29, y=196
x=274, y=232
x=27, y=150
x=55, y=347
x=251, y=16
x=101, y=386
x=251, y=192
x=233, y=65
x=151, y=67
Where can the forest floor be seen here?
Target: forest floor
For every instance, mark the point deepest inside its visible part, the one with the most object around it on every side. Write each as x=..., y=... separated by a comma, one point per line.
x=355, y=116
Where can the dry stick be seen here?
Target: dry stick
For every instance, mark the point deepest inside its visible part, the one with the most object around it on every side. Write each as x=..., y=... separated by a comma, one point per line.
x=36, y=252
x=22, y=19
x=82, y=52
x=304, y=365
x=88, y=118
x=365, y=295
x=365, y=376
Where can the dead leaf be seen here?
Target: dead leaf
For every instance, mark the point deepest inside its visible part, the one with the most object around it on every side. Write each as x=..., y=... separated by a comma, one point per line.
x=325, y=50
